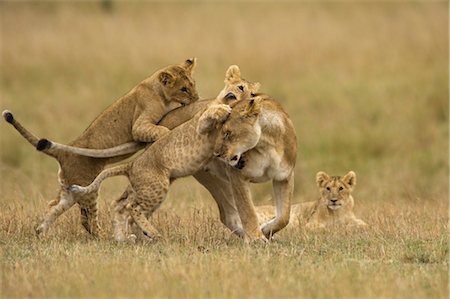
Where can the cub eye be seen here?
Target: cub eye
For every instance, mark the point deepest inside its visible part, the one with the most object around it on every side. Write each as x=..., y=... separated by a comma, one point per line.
x=241, y=87
x=184, y=89
x=227, y=134
x=230, y=96
x=328, y=189
x=341, y=188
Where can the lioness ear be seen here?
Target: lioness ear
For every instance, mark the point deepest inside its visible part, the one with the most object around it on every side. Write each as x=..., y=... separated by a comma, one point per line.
x=233, y=74
x=253, y=108
x=350, y=179
x=321, y=178
x=190, y=64
x=166, y=78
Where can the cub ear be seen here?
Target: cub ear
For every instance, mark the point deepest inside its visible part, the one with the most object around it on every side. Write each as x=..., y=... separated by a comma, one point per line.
x=321, y=178
x=190, y=64
x=166, y=79
x=253, y=108
x=350, y=179
x=233, y=74
x=254, y=87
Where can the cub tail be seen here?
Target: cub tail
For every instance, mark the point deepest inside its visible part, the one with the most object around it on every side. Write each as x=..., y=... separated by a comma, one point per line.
x=113, y=171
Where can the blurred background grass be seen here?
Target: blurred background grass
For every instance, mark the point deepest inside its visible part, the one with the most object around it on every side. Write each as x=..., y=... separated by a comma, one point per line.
x=365, y=83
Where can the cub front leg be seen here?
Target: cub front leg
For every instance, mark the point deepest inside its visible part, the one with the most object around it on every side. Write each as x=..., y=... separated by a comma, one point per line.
x=145, y=130
x=213, y=115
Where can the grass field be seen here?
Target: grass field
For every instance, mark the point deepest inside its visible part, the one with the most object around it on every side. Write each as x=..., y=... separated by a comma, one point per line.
x=366, y=85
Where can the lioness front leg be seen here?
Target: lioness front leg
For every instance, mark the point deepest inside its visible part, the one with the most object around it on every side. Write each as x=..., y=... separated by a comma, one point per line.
x=283, y=191
x=243, y=200
x=221, y=191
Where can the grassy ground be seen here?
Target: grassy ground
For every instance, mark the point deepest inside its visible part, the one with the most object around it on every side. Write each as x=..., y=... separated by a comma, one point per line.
x=365, y=84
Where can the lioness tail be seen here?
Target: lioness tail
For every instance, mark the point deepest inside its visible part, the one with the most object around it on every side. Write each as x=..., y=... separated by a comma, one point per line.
x=123, y=149
x=9, y=117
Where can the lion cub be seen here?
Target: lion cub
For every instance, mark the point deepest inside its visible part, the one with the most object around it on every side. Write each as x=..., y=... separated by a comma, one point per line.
x=133, y=117
x=335, y=205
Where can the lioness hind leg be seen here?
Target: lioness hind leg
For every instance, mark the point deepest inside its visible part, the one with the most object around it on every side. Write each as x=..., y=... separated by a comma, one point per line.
x=221, y=191
x=66, y=201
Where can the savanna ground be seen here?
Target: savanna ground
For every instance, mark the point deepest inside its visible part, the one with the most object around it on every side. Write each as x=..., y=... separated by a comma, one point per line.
x=364, y=83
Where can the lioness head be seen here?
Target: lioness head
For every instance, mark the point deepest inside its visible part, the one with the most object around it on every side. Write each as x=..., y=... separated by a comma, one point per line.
x=177, y=84
x=236, y=85
x=240, y=132
x=335, y=190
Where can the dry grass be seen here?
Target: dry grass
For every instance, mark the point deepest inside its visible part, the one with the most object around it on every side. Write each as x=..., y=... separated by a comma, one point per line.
x=365, y=84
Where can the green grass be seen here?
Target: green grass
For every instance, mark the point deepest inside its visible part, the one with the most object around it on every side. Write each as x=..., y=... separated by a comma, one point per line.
x=366, y=85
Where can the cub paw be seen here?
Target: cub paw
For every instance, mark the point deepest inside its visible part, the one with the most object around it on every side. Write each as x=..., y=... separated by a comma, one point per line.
x=76, y=189
x=221, y=112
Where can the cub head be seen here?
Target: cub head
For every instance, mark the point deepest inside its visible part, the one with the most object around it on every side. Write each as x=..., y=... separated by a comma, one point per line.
x=177, y=84
x=237, y=86
x=335, y=191
x=240, y=132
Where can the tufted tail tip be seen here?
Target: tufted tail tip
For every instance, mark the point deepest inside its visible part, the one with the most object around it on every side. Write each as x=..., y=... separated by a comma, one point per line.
x=43, y=144
x=8, y=116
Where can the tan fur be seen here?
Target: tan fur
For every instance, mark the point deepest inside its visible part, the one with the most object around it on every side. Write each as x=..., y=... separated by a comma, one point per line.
x=183, y=151
x=335, y=205
x=131, y=118
x=258, y=140
x=218, y=186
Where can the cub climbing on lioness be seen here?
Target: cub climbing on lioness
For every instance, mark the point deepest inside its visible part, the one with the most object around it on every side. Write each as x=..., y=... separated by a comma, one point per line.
x=133, y=117
x=183, y=151
x=334, y=206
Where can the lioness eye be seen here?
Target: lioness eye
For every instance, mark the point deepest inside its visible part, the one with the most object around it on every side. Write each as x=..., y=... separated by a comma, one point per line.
x=184, y=89
x=328, y=189
x=241, y=87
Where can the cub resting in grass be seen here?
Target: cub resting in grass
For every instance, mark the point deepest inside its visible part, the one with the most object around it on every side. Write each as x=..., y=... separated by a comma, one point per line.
x=335, y=205
x=181, y=152
x=133, y=117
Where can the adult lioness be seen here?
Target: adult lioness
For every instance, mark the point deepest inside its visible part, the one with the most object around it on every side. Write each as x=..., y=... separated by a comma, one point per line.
x=133, y=117
x=258, y=140
x=181, y=152
x=334, y=206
